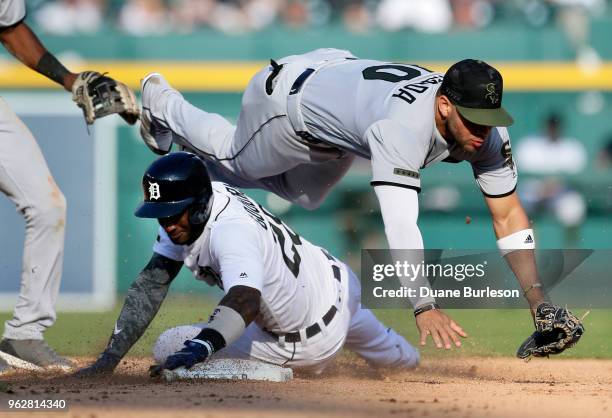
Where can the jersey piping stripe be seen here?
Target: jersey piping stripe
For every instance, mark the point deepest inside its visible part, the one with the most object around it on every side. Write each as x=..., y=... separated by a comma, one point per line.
x=224, y=207
x=495, y=196
x=212, y=156
x=390, y=183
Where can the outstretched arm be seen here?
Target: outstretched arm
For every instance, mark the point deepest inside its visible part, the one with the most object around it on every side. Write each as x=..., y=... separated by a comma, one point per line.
x=24, y=45
x=97, y=95
x=516, y=241
x=400, y=210
x=143, y=300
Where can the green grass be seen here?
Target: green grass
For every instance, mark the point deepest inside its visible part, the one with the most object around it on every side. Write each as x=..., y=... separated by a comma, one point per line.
x=491, y=332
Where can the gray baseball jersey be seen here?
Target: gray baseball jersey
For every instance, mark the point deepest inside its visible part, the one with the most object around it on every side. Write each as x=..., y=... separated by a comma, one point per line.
x=11, y=12
x=379, y=110
x=385, y=112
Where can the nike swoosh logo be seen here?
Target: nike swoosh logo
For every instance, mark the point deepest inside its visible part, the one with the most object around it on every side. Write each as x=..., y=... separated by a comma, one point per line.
x=116, y=330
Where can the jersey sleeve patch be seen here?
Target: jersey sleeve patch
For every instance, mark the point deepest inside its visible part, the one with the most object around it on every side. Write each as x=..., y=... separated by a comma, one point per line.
x=496, y=172
x=397, y=154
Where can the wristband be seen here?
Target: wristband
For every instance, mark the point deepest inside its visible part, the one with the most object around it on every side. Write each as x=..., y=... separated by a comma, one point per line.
x=533, y=286
x=521, y=240
x=227, y=323
x=425, y=308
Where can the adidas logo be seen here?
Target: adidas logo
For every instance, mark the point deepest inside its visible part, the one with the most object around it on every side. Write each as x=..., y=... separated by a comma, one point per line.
x=529, y=240
x=243, y=275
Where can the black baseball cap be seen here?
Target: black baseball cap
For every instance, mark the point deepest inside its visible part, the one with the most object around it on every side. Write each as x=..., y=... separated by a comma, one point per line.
x=476, y=88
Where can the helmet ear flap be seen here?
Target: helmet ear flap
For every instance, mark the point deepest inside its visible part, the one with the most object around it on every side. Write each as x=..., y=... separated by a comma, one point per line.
x=199, y=211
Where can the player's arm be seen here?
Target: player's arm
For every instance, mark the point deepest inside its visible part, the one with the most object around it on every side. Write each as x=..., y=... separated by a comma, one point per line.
x=96, y=94
x=24, y=45
x=400, y=211
x=516, y=242
x=143, y=300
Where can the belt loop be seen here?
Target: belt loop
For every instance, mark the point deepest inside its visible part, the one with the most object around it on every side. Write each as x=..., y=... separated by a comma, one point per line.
x=281, y=341
x=323, y=327
x=303, y=337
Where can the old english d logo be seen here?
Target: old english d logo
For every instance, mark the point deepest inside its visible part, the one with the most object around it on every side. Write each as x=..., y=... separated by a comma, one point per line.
x=154, y=191
x=491, y=93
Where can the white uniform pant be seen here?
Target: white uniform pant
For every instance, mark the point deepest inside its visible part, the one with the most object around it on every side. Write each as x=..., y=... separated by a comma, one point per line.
x=26, y=180
x=353, y=327
x=262, y=150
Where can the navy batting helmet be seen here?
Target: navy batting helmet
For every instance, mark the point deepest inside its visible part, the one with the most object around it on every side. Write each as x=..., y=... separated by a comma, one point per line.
x=173, y=183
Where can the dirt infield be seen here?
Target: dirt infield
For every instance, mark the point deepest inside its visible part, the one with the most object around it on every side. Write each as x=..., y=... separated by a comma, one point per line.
x=460, y=387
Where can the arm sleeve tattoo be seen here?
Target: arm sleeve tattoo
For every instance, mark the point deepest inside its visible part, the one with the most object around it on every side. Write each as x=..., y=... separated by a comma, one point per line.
x=143, y=300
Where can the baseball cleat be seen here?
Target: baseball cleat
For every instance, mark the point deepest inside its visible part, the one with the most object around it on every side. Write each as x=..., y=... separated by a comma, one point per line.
x=36, y=352
x=154, y=129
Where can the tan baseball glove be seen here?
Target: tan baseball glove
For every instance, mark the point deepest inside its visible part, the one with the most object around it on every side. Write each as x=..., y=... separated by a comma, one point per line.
x=98, y=96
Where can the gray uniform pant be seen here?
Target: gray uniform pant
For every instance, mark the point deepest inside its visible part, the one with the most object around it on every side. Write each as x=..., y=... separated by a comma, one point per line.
x=262, y=150
x=26, y=180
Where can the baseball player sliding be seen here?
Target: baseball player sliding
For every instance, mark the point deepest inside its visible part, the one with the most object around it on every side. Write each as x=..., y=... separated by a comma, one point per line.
x=305, y=117
x=287, y=301
x=26, y=180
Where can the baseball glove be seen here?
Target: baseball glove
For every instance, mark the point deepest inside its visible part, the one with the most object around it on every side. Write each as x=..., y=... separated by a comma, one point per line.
x=99, y=96
x=556, y=330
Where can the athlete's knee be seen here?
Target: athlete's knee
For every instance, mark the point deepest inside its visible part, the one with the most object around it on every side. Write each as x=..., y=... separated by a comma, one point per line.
x=172, y=340
x=47, y=211
x=400, y=353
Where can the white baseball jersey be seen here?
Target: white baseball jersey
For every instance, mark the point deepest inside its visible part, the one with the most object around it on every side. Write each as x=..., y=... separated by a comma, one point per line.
x=11, y=12
x=385, y=112
x=244, y=244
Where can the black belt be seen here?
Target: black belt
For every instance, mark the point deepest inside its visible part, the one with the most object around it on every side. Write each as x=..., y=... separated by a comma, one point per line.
x=314, y=329
x=299, y=82
x=295, y=89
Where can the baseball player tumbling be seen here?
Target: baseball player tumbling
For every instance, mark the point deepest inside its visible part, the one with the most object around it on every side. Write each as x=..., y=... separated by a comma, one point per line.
x=26, y=180
x=287, y=301
x=305, y=117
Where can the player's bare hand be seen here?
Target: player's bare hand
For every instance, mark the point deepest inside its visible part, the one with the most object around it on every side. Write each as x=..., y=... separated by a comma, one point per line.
x=105, y=364
x=443, y=330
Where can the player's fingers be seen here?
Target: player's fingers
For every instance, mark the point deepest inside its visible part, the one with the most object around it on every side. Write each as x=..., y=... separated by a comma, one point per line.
x=445, y=335
x=436, y=337
x=455, y=327
x=424, y=334
x=454, y=336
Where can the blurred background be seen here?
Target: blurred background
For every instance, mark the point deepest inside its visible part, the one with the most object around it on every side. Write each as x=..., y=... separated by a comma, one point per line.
x=555, y=56
x=556, y=59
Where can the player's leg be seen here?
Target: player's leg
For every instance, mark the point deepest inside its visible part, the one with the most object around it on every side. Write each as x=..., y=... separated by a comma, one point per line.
x=309, y=184
x=262, y=144
x=368, y=337
x=26, y=180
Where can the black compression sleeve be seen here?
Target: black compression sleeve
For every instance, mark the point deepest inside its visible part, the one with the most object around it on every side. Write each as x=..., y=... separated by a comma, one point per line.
x=51, y=68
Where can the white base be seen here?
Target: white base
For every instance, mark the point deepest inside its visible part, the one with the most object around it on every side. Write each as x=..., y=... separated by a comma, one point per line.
x=234, y=369
x=18, y=363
